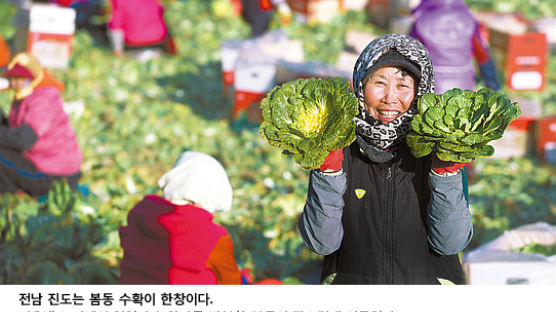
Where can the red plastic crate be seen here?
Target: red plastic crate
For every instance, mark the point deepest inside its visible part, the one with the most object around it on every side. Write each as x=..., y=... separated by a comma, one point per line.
x=522, y=58
x=243, y=101
x=546, y=138
x=524, y=123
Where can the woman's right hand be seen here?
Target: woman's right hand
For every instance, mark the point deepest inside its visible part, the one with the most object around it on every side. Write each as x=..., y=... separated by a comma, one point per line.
x=333, y=161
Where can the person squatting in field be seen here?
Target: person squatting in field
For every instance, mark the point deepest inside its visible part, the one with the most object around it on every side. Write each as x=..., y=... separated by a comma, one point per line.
x=38, y=145
x=172, y=239
x=451, y=34
x=137, y=25
x=378, y=214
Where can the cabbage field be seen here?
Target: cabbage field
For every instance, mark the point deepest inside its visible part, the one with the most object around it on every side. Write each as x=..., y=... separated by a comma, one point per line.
x=133, y=118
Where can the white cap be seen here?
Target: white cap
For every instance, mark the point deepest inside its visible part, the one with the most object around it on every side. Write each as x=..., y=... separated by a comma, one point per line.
x=198, y=178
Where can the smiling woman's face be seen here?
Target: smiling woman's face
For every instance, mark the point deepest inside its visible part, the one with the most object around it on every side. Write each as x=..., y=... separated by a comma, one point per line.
x=388, y=93
x=18, y=83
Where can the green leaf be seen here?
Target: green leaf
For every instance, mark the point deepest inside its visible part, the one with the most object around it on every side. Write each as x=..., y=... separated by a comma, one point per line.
x=426, y=101
x=460, y=123
x=308, y=118
x=419, y=145
x=473, y=138
x=45, y=273
x=432, y=115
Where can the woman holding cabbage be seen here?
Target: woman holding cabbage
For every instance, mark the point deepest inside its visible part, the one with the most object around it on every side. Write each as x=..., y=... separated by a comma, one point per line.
x=377, y=213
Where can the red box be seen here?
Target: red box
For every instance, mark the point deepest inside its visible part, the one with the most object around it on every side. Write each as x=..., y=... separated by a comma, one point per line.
x=52, y=50
x=229, y=50
x=523, y=123
x=248, y=102
x=50, y=37
x=522, y=58
x=228, y=78
x=546, y=138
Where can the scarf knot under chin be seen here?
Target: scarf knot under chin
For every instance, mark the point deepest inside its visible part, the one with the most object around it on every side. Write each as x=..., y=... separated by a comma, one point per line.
x=385, y=137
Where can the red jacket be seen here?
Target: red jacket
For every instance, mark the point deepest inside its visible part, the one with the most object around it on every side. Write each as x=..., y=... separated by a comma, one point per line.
x=56, y=150
x=166, y=243
x=141, y=21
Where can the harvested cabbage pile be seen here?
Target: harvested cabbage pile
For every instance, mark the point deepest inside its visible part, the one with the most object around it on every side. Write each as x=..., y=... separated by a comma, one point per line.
x=308, y=118
x=458, y=124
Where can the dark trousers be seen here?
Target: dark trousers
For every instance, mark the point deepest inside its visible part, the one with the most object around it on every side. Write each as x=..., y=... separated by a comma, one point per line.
x=18, y=173
x=168, y=45
x=87, y=16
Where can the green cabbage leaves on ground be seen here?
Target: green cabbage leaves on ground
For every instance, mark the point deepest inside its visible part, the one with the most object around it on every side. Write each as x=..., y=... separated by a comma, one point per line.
x=309, y=117
x=458, y=124
x=134, y=125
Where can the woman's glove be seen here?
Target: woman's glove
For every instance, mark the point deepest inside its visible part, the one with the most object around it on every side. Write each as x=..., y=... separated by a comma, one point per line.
x=333, y=161
x=446, y=168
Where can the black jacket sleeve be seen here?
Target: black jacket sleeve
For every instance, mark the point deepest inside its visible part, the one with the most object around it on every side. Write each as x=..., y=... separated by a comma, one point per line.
x=19, y=138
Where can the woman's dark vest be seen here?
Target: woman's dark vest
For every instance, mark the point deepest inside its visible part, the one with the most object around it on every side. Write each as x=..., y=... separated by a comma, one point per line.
x=384, y=221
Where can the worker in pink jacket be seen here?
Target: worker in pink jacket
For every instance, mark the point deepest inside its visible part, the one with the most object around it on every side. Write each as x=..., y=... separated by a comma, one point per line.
x=449, y=31
x=37, y=143
x=139, y=24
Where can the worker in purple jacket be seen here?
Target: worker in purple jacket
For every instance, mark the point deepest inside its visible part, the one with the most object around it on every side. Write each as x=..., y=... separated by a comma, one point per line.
x=448, y=29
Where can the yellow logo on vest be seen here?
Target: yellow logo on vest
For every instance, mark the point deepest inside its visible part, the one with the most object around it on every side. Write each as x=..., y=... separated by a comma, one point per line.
x=360, y=193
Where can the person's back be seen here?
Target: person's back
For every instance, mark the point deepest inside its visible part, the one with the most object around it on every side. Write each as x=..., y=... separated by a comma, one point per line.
x=446, y=29
x=173, y=239
x=166, y=243
x=140, y=20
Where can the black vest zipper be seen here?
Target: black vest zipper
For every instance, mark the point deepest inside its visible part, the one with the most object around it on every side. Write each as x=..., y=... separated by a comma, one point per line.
x=389, y=265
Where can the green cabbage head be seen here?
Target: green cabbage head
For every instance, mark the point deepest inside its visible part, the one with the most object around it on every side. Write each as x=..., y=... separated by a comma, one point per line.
x=458, y=124
x=309, y=117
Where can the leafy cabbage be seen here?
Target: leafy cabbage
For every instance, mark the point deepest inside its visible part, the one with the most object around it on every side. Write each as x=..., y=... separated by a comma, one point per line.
x=308, y=117
x=458, y=124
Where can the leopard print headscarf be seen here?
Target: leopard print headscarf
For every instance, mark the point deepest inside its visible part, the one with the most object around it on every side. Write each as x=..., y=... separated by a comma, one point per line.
x=373, y=131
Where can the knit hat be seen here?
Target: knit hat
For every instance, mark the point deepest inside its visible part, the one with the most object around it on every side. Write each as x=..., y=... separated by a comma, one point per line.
x=198, y=178
x=395, y=59
x=24, y=65
x=18, y=71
